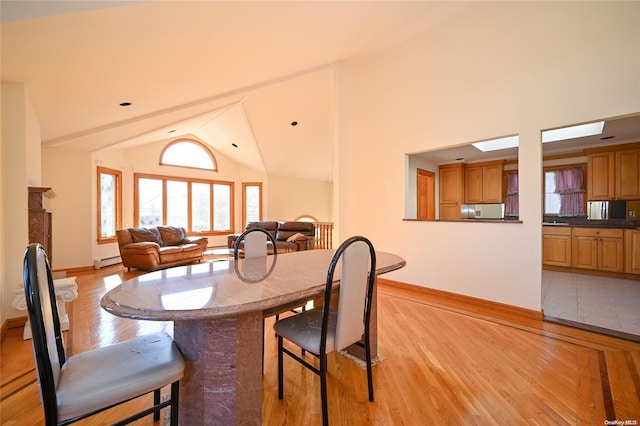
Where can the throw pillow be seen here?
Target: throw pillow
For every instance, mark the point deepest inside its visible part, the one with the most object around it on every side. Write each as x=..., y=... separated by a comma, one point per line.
x=294, y=237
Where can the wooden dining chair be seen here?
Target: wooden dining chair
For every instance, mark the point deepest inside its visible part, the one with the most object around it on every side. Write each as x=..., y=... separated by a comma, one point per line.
x=79, y=386
x=324, y=329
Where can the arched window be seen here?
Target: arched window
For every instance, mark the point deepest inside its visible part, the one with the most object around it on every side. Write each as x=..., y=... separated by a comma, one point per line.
x=306, y=218
x=188, y=153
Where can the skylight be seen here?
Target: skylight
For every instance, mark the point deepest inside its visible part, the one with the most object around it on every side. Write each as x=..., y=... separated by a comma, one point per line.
x=573, y=132
x=497, y=144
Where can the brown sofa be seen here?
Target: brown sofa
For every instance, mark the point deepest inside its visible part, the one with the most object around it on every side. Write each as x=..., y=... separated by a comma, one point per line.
x=289, y=236
x=158, y=247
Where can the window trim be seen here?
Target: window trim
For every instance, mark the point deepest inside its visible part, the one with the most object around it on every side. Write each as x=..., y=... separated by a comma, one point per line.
x=199, y=144
x=118, y=204
x=244, y=201
x=164, y=179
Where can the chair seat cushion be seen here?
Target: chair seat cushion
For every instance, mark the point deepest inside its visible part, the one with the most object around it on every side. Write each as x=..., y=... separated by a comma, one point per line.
x=170, y=250
x=140, y=248
x=105, y=376
x=304, y=329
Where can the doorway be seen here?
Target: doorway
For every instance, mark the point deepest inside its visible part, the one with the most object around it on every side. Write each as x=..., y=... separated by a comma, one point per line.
x=426, y=186
x=577, y=297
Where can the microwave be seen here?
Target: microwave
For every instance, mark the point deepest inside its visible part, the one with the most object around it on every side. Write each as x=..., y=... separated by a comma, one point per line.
x=605, y=210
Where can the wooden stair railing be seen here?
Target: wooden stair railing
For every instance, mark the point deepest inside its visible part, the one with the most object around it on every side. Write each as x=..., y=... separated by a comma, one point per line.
x=324, y=235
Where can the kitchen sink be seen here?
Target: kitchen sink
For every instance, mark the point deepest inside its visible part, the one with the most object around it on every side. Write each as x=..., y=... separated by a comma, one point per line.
x=555, y=223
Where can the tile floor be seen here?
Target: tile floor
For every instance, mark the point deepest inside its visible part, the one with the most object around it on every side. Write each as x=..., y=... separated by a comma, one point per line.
x=608, y=303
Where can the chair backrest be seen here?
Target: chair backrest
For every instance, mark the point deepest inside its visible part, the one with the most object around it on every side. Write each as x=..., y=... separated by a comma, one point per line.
x=254, y=243
x=48, y=346
x=255, y=269
x=357, y=276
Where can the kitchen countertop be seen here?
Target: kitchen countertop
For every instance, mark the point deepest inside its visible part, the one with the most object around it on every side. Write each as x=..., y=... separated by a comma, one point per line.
x=595, y=224
x=466, y=220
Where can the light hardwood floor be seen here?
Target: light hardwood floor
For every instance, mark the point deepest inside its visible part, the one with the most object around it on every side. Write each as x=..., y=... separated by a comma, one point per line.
x=444, y=363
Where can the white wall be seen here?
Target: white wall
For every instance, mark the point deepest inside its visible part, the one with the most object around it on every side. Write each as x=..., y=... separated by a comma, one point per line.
x=20, y=160
x=290, y=198
x=496, y=69
x=69, y=174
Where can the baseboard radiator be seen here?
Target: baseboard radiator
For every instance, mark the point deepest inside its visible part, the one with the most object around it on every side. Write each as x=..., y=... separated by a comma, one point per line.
x=101, y=263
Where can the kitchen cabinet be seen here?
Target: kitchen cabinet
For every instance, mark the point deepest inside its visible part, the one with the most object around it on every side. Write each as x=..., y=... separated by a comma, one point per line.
x=473, y=184
x=483, y=182
x=598, y=249
x=627, y=174
x=613, y=174
x=556, y=246
x=600, y=176
x=451, y=189
x=632, y=251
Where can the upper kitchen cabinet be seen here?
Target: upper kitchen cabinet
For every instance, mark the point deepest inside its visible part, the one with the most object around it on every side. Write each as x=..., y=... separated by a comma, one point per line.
x=483, y=182
x=614, y=172
x=451, y=190
x=600, y=176
x=628, y=174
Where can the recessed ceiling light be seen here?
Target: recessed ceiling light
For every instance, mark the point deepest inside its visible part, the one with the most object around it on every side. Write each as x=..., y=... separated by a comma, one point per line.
x=573, y=132
x=234, y=145
x=294, y=123
x=172, y=131
x=124, y=104
x=496, y=144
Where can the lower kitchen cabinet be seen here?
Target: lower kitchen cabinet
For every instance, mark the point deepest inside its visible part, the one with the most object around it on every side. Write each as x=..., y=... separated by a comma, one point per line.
x=599, y=249
x=632, y=251
x=556, y=246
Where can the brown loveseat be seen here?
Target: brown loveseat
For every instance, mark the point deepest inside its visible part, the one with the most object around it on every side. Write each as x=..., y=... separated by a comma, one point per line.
x=289, y=236
x=158, y=247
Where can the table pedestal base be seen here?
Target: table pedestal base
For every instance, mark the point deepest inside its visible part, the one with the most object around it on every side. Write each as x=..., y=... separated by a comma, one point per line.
x=223, y=371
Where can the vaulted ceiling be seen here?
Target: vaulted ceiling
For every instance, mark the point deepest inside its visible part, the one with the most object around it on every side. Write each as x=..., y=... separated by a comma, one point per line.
x=226, y=72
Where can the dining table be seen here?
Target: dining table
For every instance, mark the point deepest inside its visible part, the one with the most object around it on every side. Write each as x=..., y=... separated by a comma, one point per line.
x=218, y=310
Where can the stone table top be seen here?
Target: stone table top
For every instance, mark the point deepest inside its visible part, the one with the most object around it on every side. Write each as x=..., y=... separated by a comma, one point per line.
x=228, y=287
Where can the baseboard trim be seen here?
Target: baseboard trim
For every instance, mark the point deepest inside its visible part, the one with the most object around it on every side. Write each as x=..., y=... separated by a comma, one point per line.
x=12, y=323
x=467, y=303
x=77, y=270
